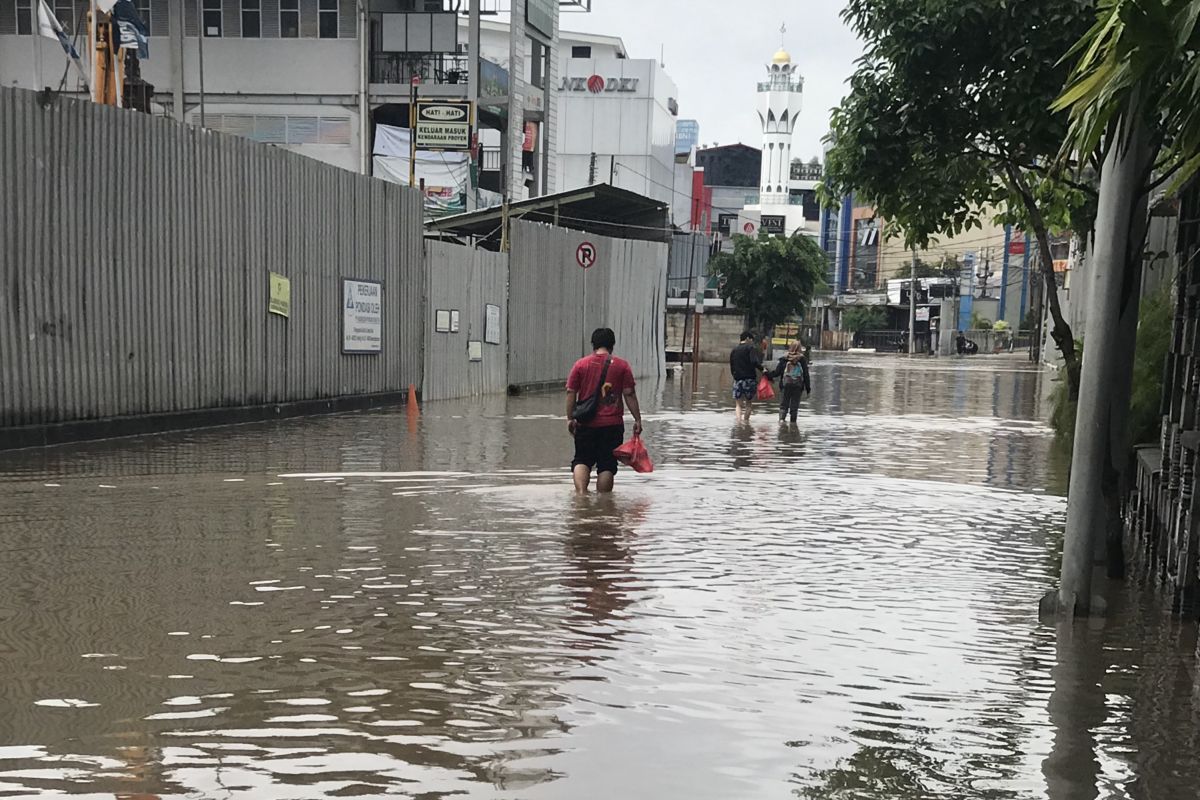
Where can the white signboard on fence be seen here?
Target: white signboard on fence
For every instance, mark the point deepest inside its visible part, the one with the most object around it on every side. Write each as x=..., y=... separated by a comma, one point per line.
x=922, y=315
x=362, y=316
x=491, y=324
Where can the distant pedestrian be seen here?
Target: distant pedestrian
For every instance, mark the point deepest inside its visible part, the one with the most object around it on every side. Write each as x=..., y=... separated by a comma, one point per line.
x=598, y=389
x=745, y=364
x=964, y=346
x=794, y=383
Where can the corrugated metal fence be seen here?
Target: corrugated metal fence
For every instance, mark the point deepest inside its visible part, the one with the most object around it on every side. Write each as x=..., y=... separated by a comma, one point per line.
x=555, y=305
x=463, y=282
x=134, y=262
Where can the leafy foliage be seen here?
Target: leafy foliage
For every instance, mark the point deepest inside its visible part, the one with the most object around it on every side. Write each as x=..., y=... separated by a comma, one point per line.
x=947, y=267
x=1153, y=340
x=771, y=278
x=858, y=319
x=948, y=97
x=948, y=118
x=1140, y=55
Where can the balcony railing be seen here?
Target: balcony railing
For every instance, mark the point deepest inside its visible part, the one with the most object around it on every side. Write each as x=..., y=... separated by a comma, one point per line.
x=429, y=67
x=806, y=172
x=489, y=159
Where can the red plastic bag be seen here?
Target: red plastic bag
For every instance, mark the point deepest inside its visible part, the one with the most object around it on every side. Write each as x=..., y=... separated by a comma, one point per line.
x=765, y=390
x=633, y=454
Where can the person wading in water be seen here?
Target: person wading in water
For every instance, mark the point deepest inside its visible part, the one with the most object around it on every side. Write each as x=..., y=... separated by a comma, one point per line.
x=793, y=370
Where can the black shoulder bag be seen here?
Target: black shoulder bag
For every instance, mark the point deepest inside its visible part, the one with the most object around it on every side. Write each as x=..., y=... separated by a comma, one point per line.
x=586, y=410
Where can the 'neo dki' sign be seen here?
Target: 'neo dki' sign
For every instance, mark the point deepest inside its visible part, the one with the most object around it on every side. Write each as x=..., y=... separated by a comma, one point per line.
x=597, y=84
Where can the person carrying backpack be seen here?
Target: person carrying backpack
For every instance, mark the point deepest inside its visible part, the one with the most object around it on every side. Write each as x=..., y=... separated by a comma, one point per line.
x=792, y=370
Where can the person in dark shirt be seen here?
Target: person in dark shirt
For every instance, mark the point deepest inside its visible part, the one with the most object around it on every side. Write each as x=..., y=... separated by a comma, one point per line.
x=745, y=364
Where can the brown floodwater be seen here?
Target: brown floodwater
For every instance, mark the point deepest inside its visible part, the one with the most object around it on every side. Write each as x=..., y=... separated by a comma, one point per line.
x=360, y=605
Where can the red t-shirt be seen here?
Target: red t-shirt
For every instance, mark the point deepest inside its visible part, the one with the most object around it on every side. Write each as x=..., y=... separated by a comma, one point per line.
x=584, y=377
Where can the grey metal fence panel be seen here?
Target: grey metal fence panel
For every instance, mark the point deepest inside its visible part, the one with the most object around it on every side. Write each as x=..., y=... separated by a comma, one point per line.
x=134, y=262
x=554, y=304
x=465, y=280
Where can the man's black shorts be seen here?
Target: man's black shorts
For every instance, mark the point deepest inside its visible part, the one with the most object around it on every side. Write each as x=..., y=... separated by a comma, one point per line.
x=594, y=447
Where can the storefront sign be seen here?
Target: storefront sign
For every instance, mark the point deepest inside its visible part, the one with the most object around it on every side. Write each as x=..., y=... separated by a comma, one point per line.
x=598, y=83
x=725, y=223
x=443, y=125
x=362, y=316
x=922, y=315
x=772, y=223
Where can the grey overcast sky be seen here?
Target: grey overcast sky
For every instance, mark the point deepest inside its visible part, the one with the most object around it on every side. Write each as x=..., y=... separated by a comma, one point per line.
x=716, y=51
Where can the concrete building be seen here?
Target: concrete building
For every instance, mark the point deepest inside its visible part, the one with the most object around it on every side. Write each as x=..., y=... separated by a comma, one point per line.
x=615, y=116
x=731, y=174
x=315, y=76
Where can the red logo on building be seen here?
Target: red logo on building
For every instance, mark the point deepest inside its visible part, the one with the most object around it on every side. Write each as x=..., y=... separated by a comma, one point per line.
x=595, y=84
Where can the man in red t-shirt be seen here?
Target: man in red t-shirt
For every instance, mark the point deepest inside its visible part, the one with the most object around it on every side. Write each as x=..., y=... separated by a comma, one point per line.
x=597, y=438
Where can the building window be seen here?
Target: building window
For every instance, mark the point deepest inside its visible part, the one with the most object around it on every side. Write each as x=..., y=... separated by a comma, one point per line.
x=289, y=19
x=212, y=17
x=581, y=51
x=143, y=10
x=328, y=19
x=65, y=11
x=251, y=19
x=25, y=17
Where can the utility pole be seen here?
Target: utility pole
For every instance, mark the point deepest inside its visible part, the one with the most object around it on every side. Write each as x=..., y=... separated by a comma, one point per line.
x=473, y=91
x=412, y=131
x=592, y=170
x=364, y=106
x=912, y=307
x=200, y=65
x=179, y=98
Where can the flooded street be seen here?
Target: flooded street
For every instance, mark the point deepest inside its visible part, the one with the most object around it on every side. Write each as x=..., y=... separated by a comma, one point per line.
x=354, y=606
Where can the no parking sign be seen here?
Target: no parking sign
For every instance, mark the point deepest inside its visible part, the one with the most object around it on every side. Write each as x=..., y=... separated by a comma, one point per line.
x=585, y=255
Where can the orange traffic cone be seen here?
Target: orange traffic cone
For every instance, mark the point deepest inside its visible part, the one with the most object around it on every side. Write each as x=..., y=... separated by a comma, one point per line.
x=413, y=408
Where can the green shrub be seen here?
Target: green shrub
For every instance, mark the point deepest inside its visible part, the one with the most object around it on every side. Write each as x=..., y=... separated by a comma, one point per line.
x=1153, y=339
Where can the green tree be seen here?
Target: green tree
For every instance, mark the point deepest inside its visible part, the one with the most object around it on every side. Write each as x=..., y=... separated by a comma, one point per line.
x=948, y=116
x=857, y=319
x=771, y=278
x=946, y=267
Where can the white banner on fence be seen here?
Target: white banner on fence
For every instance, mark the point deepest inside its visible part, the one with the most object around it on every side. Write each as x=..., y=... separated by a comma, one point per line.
x=362, y=316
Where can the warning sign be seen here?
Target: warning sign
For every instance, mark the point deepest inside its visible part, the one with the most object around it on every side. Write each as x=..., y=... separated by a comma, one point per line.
x=362, y=316
x=443, y=125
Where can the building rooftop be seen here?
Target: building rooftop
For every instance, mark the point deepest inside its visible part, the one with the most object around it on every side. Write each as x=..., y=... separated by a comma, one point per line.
x=601, y=209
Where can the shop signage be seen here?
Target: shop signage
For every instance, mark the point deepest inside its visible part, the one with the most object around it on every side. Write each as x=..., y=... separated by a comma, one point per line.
x=725, y=222
x=772, y=223
x=598, y=83
x=443, y=125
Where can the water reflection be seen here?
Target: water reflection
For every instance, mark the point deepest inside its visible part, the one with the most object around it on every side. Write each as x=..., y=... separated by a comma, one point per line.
x=349, y=606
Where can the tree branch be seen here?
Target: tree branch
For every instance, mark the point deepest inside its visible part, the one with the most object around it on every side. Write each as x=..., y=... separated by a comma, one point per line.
x=1061, y=332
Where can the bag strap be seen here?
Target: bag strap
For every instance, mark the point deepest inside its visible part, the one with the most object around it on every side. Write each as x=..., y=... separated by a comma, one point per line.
x=603, y=375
